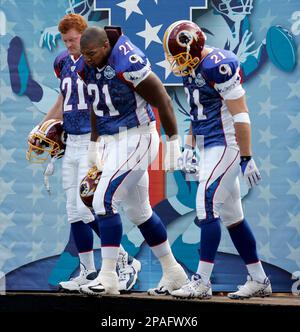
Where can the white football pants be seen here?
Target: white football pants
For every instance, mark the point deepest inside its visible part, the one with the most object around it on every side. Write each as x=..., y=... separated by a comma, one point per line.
x=218, y=193
x=125, y=180
x=74, y=169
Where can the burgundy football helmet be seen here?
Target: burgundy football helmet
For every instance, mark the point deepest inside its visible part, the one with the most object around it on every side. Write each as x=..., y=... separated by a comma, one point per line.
x=89, y=185
x=47, y=140
x=183, y=44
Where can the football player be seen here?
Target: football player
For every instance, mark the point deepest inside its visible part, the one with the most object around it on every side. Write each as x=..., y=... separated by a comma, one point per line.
x=220, y=129
x=122, y=86
x=72, y=107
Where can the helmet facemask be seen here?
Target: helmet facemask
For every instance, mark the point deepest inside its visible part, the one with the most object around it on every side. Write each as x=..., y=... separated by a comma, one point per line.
x=39, y=154
x=48, y=140
x=182, y=64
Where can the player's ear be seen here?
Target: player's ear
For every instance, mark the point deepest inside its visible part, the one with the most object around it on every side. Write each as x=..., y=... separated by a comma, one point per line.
x=106, y=44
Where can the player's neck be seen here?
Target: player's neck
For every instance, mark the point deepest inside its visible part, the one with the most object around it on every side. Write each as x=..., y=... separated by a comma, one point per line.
x=205, y=52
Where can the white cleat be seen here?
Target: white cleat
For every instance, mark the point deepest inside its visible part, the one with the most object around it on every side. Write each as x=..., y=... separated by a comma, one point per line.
x=174, y=278
x=194, y=289
x=74, y=284
x=106, y=283
x=252, y=288
x=127, y=269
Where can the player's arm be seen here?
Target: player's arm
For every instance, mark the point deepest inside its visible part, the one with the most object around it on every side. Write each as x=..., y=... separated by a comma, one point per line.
x=153, y=91
x=228, y=84
x=226, y=80
x=239, y=111
x=96, y=146
x=94, y=134
x=190, y=138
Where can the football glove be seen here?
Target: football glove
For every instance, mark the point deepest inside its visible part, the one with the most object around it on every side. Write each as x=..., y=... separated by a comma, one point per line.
x=187, y=162
x=250, y=171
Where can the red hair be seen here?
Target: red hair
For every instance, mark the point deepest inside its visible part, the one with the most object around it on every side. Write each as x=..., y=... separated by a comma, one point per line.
x=72, y=21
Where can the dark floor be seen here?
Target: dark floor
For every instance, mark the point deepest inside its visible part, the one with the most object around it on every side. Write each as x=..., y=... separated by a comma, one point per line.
x=141, y=303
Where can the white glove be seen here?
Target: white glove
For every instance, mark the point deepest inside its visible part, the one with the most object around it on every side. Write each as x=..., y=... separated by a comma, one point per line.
x=49, y=171
x=250, y=171
x=94, y=155
x=172, y=154
x=187, y=162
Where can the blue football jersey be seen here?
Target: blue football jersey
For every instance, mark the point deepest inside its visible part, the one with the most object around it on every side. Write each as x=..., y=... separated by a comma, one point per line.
x=76, y=110
x=114, y=100
x=216, y=78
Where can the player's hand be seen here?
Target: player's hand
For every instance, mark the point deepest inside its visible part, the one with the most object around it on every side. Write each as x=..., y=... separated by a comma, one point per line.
x=187, y=162
x=250, y=171
x=94, y=156
x=35, y=141
x=172, y=154
x=48, y=37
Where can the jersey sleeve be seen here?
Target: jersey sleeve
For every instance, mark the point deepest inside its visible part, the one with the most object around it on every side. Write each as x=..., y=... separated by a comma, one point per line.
x=59, y=63
x=131, y=65
x=223, y=73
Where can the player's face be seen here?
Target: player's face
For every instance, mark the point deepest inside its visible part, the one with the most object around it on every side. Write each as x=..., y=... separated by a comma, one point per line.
x=95, y=55
x=72, y=41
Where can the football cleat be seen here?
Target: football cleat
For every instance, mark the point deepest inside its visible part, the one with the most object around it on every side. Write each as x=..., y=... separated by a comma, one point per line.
x=172, y=279
x=73, y=285
x=194, y=289
x=127, y=270
x=252, y=288
x=106, y=283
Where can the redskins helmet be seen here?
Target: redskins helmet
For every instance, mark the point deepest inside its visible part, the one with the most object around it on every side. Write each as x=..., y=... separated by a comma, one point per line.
x=47, y=140
x=89, y=185
x=183, y=44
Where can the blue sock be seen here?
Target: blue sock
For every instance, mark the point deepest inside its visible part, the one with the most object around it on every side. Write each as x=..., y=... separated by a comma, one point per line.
x=244, y=242
x=111, y=230
x=153, y=230
x=210, y=239
x=83, y=236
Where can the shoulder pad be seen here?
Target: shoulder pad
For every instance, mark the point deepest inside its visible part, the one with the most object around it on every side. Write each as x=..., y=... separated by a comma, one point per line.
x=59, y=62
x=220, y=66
